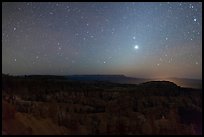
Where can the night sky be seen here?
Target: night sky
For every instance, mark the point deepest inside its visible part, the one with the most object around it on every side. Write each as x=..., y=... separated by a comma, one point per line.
x=136, y=39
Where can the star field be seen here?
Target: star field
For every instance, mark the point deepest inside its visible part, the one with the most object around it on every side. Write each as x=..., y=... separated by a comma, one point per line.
x=160, y=39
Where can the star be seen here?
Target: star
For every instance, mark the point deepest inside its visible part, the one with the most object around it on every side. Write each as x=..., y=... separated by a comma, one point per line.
x=14, y=28
x=195, y=19
x=136, y=47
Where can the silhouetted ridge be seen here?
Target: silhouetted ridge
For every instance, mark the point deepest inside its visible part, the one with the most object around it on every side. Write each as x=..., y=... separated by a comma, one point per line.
x=97, y=77
x=160, y=84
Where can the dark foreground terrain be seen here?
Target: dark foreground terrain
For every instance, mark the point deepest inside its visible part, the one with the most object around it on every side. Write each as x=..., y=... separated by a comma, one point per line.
x=43, y=105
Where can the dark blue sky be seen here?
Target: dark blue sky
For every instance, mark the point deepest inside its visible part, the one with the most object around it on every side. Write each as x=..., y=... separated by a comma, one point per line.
x=134, y=38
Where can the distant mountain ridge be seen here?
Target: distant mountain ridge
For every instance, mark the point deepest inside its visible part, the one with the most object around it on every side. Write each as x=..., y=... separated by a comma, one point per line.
x=121, y=79
x=97, y=76
x=187, y=82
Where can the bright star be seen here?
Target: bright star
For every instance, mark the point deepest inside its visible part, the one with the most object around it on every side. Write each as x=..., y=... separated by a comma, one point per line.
x=136, y=47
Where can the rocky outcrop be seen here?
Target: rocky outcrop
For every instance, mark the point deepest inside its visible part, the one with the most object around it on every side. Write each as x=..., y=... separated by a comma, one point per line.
x=53, y=107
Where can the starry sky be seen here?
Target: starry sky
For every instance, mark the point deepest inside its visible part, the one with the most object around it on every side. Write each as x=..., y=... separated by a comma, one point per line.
x=137, y=39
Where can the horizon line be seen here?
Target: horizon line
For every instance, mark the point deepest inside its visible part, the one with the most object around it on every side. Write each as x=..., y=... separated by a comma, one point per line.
x=102, y=74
